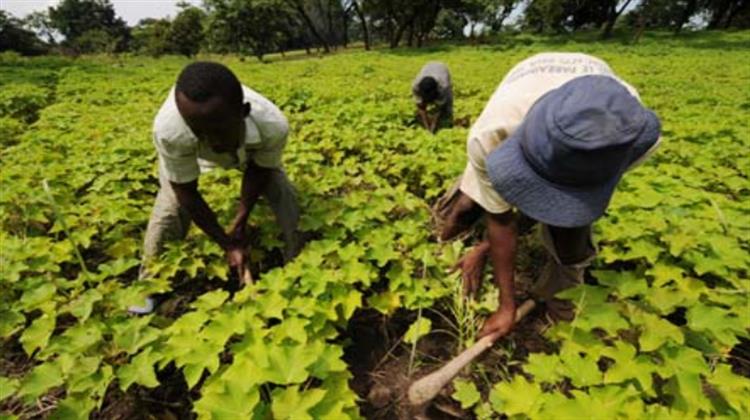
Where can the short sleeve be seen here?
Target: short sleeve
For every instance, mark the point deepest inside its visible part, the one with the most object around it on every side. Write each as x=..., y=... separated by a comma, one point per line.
x=271, y=150
x=415, y=96
x=178, y=158
x=475, y=181
x=267, y=132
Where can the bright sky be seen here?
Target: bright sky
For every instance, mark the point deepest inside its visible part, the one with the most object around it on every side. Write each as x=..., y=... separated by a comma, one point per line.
x=130, y=10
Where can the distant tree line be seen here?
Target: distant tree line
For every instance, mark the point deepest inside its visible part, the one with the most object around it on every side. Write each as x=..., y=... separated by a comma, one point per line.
x=260, y=27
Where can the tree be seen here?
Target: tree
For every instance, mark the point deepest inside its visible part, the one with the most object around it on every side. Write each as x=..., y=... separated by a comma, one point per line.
x=152, y=37
x=74, y=18
x=544, y=15
x=486, y=14
x=246, y=26
x=355, y=6
x=14, y=37
x=40, y=23
x=614, y=10
x=724, y=12
x=186, y=31
x=299, y=7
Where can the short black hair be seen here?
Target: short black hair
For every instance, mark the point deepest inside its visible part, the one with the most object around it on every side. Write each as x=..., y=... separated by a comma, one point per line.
x=428, y=89
x=203, y=80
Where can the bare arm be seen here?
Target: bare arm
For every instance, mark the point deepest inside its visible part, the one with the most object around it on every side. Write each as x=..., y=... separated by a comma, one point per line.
x=435, y=120
x=254, y=181
x=501, y=230
x=192, y=201
x=423, y=117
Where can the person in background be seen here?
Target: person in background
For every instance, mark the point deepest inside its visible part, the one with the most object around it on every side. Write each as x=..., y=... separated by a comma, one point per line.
x=550, y=147
x=209, y=120
x=432, y=88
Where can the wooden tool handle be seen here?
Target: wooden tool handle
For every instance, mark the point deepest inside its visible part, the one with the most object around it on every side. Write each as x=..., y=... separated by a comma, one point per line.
x=247, y=276
x=425, y=389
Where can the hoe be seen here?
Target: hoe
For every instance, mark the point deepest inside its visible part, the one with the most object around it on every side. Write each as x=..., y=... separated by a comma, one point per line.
x=422, y=391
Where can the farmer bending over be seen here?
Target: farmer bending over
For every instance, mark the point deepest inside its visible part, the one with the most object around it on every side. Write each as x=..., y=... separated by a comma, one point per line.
x=550, y=146
x=209, y=119
x=432, y=88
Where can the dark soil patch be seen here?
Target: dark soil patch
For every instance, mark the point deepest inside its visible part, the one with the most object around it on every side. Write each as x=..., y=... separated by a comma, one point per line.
x=383, y=368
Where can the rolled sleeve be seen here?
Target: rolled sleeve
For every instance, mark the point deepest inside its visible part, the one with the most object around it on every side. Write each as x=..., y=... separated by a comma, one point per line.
x=271, y=149
x=476, y=184
x=416, y=98
x=270, y=155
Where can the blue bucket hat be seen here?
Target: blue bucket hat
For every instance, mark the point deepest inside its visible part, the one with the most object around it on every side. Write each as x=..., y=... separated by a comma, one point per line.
x=561, y=166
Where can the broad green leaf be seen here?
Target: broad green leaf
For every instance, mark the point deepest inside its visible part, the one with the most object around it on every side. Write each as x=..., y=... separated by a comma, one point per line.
x=38, y=295
x=418, y=328
x=629, y=366
x=210, y=300
x=339, y=402
x=544, y=367
x=656, y=332
x=133, y=334
x=287, y=364
x=227, y=404
x=139, y=370
x=687, y=389
x=37, y=335
x=125, y=247
x=8, y=387
x=81, y=307
x=626, y=283
x=329, y=362
x=42, y=378
x=466, y=393
x=293, y=404
x=385, y=303
x=293, y=329
x=734, y=388
x=516, y=397
x=720, y=323
x=581, y=368
x=663, y=273
x=10, y=322
x=74, y=407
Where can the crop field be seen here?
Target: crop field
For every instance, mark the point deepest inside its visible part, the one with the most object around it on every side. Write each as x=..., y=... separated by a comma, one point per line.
x=662, y=325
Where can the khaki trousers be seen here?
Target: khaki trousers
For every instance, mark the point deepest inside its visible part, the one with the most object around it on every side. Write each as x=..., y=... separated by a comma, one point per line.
x=169, y=222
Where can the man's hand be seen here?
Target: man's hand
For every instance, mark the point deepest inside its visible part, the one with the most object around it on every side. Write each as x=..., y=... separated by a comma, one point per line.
x=463, y=214
x=236, y=258
x=472, y=266
x=424, y=118
x=435, y=120
x=501, y=322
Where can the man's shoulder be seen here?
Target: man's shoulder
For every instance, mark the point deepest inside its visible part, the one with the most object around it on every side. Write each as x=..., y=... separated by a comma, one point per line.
x=169, y=126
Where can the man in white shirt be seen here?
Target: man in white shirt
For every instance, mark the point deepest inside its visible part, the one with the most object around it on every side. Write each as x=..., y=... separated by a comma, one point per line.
x=552, y=143
x=209, y=120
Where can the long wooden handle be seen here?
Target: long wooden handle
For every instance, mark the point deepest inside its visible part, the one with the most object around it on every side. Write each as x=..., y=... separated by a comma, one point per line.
x=425, y=389
x=247, y=276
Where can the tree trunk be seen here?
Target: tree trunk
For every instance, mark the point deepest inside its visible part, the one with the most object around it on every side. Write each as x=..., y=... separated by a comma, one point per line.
x=333, y=38
x=310, y=25
x=361, y=16
x=396, y=39
x=736, y=8
x=345, y=24
x=410, y=36
x=612, y=16
x=719, y=12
